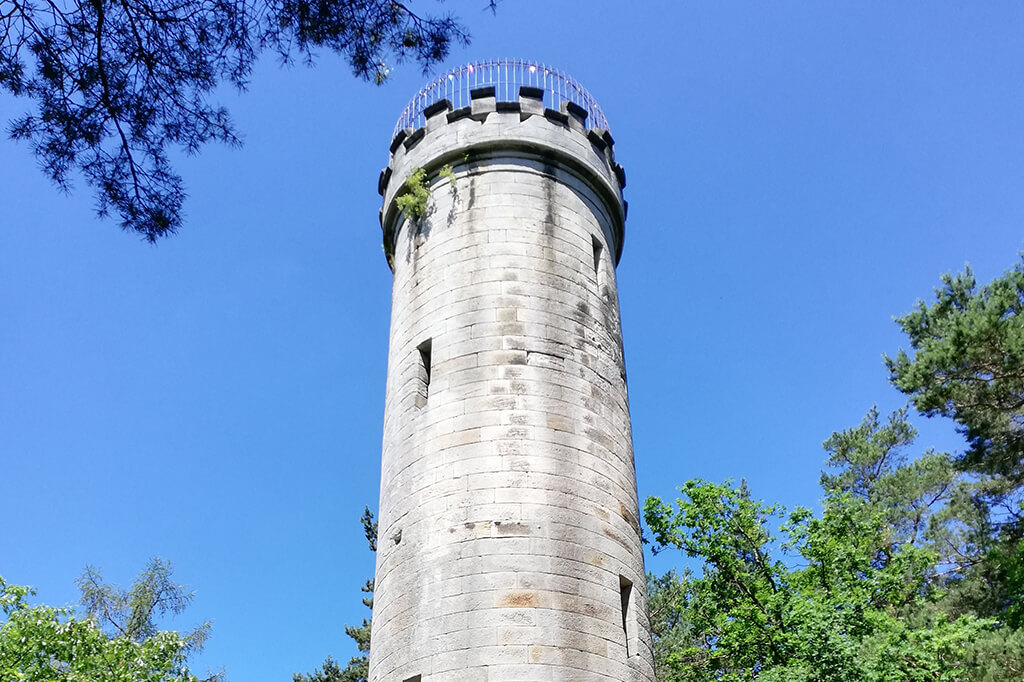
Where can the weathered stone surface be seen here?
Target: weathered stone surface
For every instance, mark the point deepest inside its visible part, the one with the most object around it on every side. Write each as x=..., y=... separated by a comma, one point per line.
x=508, y=509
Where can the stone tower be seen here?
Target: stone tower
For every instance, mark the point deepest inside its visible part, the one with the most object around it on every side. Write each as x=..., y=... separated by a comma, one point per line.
x=509, y=540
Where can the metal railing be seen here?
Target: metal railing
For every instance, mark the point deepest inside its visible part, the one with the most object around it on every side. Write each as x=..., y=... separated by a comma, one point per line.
x=506, y=75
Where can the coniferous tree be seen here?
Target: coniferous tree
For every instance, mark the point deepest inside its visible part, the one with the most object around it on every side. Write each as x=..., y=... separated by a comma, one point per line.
x=358, y=666
x=967, y=364
x=114, y=85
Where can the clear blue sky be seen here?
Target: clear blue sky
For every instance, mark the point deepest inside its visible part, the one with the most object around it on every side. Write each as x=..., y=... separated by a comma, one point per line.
x=798, y=174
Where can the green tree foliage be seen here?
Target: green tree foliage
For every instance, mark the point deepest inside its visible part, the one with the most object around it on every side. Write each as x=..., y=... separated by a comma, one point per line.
x=357, y=669
x=856, y=594
x=968, y=364
x=671, y=629
x=115, y=84
x=330, y=671
x=914, y=570
x=117, y=639
x=414, y=201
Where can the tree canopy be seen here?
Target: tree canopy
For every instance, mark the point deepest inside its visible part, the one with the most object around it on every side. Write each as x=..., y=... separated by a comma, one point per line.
x=853, y=595
x=913, y=570
x=114, y=85
x=117, y=639
x=968, y=365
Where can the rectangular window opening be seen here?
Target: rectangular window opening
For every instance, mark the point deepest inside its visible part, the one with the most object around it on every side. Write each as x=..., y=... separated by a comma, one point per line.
x=423, y=377
x=598, y=249
x=628, y=614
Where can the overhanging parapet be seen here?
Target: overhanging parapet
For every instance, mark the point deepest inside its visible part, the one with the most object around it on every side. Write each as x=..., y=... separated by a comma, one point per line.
x=489, y=127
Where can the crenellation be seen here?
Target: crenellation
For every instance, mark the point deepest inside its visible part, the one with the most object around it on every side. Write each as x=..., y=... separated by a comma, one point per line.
x=412, y=138
x=508, y=107
x=464, y=112
x=506, y=130
x=440, y=107
x=557, y=117
x=483, y=102
x=597, y=139
x=398, y=140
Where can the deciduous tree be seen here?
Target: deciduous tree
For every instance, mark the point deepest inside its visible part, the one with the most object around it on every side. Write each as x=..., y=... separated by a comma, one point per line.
x=117, y=639
x=851, y=595
x=914, y=569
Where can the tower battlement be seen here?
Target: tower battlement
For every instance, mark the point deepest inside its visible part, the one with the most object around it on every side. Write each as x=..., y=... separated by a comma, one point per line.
x=488, y=128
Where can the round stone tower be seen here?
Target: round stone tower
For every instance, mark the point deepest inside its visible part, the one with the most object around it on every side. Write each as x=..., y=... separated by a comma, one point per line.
x=509, y=541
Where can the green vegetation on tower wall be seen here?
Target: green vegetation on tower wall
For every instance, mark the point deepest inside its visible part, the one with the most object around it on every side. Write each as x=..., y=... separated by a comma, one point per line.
x=414, y=202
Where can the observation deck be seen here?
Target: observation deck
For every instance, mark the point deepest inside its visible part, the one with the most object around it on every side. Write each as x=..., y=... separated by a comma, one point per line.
x=506, y=76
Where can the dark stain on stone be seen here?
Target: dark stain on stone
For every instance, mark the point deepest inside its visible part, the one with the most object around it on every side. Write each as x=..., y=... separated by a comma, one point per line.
x=629, y=517
x=511, y=528
x=471, y=198
x=549, y=199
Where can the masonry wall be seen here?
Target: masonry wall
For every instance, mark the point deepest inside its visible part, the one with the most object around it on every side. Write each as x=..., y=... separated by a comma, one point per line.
x=509, y=543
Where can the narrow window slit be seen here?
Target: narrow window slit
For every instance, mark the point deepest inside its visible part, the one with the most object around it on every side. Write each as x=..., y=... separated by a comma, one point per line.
x=628, y=613
x=598, y=249
x=423, y=377
x=414, y=678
